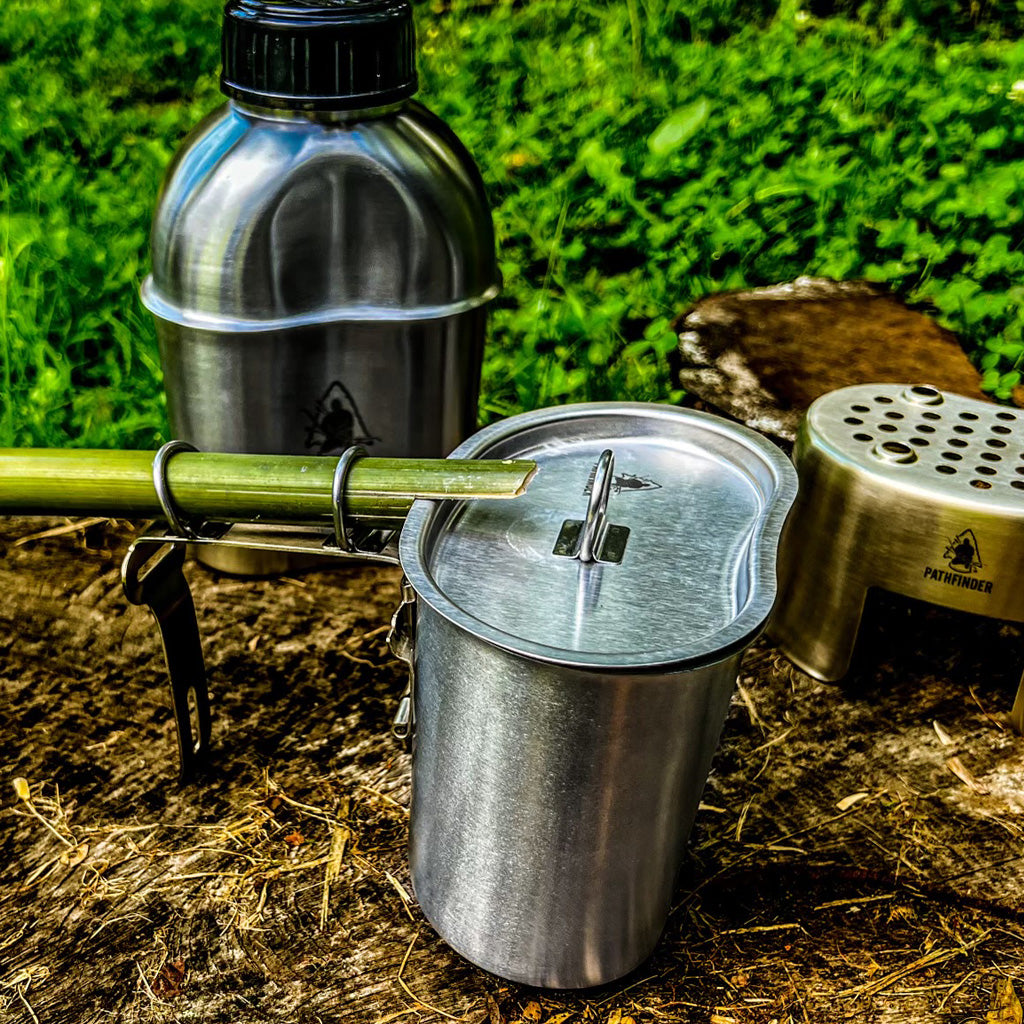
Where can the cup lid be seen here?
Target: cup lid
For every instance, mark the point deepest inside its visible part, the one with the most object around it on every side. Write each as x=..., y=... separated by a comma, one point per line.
x=659, y=554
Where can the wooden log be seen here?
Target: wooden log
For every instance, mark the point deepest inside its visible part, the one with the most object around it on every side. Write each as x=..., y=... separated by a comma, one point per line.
x=763, y=355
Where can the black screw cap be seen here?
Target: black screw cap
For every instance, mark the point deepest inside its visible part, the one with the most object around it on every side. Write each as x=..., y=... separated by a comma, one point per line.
x=318, y=54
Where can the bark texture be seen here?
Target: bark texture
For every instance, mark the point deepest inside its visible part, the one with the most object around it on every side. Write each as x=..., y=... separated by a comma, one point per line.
x=763, y=355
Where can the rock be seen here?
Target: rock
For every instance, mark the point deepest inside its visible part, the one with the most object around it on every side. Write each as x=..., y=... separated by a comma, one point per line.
x=762, y=356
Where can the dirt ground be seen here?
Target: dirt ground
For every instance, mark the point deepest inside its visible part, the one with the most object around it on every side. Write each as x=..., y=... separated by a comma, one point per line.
x=858, y=855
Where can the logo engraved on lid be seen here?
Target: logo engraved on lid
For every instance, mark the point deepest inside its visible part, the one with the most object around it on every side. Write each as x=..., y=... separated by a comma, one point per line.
x=624, y=482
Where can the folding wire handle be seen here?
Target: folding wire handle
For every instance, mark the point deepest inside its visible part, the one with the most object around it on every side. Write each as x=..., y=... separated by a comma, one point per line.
x=151, y=574
x=178, y=523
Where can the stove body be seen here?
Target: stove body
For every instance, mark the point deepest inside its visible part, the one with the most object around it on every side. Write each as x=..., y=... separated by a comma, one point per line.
x=908, y=489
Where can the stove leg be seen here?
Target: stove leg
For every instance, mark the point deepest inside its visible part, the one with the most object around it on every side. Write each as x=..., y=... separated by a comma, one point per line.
x=815, y=624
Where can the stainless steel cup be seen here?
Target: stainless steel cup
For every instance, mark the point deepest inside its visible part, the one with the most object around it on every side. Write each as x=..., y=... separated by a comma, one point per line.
x=574, y=653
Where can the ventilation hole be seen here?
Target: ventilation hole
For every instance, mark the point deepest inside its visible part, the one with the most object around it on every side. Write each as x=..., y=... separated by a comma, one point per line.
x=1001, y=430
x=1019, y=469
x=923, y=391
x=894, y=415
x=861, y=408
x=985, y=470
x=961, y=429
x=883, y=400
x=923, y=428
x=991, y=457
x=920, y=441
x=868, y=437
x=854, y=421
x=958, y=442
x=896, y=448
x=931, y=416
x=888, y=428
x=968, y=415
x=1005, y=416
x=1019, y=484
x=895, y=452
x=982, y=485
x=994, y=442
x=952, y=456
x=951, y=469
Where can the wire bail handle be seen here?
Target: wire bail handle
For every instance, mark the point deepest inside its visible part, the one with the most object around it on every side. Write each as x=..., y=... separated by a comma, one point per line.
x=341, y=472
x=179, y=524
x=181, y=527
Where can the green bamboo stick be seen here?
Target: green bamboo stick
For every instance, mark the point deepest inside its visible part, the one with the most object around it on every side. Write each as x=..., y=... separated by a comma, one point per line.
x=241, y=488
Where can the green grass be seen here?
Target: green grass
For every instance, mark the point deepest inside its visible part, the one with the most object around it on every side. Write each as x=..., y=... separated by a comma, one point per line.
x=639, y=154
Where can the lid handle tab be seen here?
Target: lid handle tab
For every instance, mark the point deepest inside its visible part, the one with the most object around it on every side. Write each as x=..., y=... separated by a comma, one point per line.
x=594, y=539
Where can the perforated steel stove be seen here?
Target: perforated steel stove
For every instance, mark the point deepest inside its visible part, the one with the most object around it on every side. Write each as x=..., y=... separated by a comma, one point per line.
x=909, y=489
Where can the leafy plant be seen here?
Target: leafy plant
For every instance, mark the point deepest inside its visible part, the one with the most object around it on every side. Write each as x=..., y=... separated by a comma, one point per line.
x=638, y=155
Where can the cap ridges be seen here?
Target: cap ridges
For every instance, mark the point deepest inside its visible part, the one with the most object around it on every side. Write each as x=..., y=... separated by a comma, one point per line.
x=318, y=54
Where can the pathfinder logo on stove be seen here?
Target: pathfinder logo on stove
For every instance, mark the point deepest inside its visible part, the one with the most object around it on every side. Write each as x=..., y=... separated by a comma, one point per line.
x=964, y=559
x=962, y=552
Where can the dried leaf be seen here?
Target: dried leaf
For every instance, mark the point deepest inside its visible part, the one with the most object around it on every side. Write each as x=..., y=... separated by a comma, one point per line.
x=944, y=738
x=21, y=788
x=294, y=839
x=60, y=531
x=407, y=899
x=533, y=1012
x=339, y=840
x=960, y=770
x=901, y=912
x=848, y=801
x=72, y=858
x=170, y=981
x=1006, y=1007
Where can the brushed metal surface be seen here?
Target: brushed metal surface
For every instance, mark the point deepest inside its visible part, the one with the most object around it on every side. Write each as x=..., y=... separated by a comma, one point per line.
x=550, y=806
x=703, y=500
x=909, y=489
x=270, y=219
x=405, y=390
x=566, y=713
x=319, y=280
